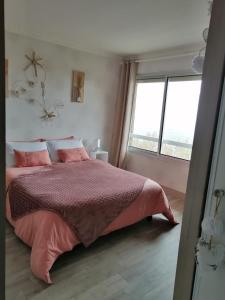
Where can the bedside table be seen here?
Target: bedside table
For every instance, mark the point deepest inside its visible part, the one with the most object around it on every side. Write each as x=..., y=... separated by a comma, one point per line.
x=100, y=154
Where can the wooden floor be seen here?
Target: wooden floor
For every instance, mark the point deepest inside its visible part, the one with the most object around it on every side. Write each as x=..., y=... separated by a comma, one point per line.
x=135, y=263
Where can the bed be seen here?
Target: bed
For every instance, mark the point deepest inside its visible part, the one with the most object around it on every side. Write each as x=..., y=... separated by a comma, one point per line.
x=50, y=233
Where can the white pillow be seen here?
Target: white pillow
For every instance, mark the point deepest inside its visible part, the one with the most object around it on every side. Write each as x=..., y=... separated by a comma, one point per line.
x=22, y=146
x=55, y=145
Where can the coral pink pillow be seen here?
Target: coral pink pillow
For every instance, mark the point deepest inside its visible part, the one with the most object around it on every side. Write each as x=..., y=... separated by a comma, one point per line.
x=32, y=159
x=72, y=154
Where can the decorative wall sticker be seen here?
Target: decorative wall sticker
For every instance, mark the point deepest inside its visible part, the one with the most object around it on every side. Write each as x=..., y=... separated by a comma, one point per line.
x=33, y=87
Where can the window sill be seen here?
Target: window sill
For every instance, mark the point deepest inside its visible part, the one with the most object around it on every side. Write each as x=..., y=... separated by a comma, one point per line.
x=155, y=155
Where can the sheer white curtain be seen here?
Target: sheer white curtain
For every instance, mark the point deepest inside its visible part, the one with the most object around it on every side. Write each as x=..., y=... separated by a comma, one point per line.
x=123, y=112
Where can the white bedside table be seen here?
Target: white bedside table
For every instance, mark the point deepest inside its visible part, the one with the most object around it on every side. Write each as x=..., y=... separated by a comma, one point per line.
x=100, y=154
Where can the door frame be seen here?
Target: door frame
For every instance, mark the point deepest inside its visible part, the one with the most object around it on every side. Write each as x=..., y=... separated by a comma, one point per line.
x=2, y=152
x=209, y=106
x=210, y=200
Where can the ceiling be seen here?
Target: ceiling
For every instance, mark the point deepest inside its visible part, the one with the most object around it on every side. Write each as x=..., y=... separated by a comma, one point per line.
x=110, y=27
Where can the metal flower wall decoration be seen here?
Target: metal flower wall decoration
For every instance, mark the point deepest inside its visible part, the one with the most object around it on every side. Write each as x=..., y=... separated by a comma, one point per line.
x=198, y=60
x=34, y=61
x=35, y=80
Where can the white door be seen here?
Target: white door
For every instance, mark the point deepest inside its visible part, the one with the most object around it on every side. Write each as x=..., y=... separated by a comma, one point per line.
x=210, y=273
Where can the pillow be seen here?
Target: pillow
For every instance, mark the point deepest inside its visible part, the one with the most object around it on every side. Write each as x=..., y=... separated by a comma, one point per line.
x=32, y=159
x=72, y=154
x=22, y=146
x=54, y=146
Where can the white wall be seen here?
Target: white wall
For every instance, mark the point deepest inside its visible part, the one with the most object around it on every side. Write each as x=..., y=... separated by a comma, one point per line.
x=90, y=120
x=169, y=172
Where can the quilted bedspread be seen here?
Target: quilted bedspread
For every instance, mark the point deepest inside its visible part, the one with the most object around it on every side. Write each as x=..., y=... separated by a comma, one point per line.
x=88, y=195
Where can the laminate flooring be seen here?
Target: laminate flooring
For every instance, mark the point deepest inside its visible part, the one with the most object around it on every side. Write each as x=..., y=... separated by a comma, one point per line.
x=134, y=263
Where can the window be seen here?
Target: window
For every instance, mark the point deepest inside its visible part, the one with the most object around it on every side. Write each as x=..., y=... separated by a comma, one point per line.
x=146, y=127
x=164, y=115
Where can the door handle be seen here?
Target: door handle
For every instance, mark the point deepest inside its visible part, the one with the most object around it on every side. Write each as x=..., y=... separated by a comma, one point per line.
x=219, y=193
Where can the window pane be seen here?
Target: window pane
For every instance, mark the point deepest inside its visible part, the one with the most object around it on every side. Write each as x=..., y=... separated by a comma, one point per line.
x=147, y=116
x=180, y=117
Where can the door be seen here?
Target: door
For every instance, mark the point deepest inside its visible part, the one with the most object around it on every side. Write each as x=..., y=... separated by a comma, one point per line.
x=210, y=252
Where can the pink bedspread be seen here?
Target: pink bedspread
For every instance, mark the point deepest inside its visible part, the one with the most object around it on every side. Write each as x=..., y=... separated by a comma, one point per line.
x=88, y=195
x=48, y=244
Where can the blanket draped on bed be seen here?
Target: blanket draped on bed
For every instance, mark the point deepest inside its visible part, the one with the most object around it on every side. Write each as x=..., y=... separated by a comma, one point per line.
x=88, y=195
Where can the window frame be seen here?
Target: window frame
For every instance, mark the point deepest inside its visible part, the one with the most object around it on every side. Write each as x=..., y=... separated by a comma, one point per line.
x=166, y=79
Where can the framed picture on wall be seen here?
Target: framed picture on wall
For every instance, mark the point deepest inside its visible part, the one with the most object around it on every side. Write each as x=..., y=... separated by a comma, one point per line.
x=6, y=77
x=77, y=93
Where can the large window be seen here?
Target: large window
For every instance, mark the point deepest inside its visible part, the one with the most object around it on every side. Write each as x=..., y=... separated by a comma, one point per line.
x=165, y=114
